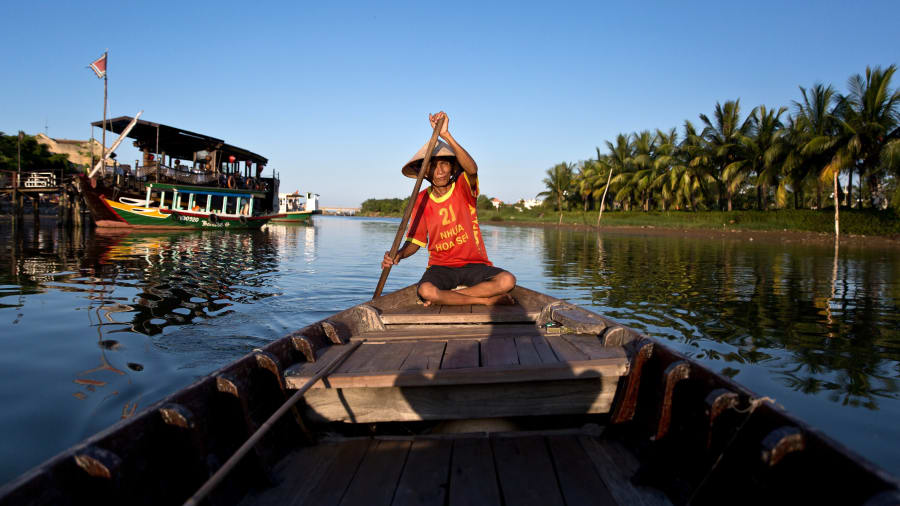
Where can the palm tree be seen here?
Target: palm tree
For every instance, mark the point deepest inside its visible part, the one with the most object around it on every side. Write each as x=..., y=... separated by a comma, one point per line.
x=585, y=181
x=558, y=182
x=723, y=143
x=666, y=180
x=813, y=137
x=694, y=174
x=644, y=161
x=618, y=159
x=760, y=151
x=869, y=120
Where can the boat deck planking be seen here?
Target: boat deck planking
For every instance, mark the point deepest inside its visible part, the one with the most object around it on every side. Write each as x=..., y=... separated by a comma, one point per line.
x=418, y=314
x=470, y=360
x=531, y=468
x=399, y=375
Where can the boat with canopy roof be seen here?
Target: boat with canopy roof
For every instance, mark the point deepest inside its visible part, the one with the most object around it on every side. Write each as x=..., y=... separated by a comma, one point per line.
x=184, y=180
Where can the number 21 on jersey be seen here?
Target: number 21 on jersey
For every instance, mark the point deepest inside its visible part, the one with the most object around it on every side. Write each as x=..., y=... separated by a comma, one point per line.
x=447, y=217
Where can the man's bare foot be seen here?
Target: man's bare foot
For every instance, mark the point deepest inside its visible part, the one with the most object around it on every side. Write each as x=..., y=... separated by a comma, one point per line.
x=426, y=303
x=504, y=299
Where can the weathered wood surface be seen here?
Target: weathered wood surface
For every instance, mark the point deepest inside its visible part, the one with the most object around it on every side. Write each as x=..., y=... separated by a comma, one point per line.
x=579, y=481
x=616, y=466
x=379, y=364
x=376, y=479
x=366, y=405
x=450, y=331
x=472, y=474
x=479, y=314
x=424, y=355
x=526, y=472
x=611, y=368
x=461, y=354
x=424, y=479
x=461, y=470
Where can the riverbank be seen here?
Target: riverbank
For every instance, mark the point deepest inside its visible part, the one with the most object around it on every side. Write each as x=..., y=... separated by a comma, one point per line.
x=805, y=224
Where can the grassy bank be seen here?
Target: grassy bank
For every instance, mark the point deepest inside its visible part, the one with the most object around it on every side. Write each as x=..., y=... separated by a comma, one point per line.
x=853, y=222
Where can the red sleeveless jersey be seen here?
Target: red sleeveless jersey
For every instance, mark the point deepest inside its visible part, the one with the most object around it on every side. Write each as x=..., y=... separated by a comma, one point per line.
x=448, y=226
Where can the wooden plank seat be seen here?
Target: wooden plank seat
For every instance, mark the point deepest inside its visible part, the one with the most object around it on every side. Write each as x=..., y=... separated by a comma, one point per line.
x=463, y=376
x=461, y=361
x=419, y=314
x=553, y=468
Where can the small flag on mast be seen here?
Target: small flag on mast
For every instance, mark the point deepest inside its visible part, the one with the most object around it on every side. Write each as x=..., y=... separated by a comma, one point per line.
x=99, y=66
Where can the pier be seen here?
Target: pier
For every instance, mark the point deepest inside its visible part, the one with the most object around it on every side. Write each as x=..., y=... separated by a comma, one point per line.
x=34, y=186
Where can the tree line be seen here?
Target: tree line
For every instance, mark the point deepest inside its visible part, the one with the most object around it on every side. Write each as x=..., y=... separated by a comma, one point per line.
x=771, y=158
x=33, y=155
x=393, y=207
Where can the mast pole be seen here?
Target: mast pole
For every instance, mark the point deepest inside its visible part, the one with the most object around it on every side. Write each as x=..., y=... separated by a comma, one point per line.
x=105, y=82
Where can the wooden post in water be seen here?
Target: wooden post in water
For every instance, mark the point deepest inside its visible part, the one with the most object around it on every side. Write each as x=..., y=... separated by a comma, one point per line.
x=61, y=209
x=77, y=217
x=105, y=82
x=17, y=195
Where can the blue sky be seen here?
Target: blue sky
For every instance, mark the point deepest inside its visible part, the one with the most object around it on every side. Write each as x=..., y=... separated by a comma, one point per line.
x=336, y=96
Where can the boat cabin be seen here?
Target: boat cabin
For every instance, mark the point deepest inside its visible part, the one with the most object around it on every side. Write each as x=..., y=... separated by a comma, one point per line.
x=184, y=165
x=296, y=202
x=203, y=200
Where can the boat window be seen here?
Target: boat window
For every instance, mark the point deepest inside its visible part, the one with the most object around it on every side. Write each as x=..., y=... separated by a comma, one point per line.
x=231, y=208
x=199, y=203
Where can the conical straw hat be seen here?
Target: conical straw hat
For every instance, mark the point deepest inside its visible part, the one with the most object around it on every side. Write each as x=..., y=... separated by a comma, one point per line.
x=441, y=149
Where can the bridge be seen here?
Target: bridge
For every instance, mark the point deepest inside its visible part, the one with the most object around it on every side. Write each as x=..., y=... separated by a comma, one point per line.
x=340, y=211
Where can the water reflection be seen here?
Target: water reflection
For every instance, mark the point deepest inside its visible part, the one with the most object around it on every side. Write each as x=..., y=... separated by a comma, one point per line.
x=95, y=324
x=823, y=325
x=140, y=281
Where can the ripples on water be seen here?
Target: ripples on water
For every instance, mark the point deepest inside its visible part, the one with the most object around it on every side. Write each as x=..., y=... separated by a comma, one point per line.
x=95, y=326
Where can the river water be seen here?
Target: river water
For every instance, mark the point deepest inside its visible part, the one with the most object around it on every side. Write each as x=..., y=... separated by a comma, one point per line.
x=97, y=325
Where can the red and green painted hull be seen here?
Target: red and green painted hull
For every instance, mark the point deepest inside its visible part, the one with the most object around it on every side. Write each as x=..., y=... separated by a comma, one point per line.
x=109, y=213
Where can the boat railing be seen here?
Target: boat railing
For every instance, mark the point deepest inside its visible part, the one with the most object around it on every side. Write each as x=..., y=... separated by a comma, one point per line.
x=182, y=174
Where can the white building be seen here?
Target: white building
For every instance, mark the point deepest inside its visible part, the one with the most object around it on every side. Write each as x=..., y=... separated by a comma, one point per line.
x=528, y=204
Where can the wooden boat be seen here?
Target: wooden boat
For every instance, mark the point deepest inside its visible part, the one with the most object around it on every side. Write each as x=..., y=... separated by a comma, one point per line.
x=594, y=413
x=218, y=185
x=297, y=208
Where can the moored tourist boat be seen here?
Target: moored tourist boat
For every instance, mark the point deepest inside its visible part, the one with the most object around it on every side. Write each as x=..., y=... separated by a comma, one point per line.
x=541, y=402
x=217, y=186
x=297, y=207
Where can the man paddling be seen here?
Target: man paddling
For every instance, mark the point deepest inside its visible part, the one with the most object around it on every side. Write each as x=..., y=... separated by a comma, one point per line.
x=445, y=220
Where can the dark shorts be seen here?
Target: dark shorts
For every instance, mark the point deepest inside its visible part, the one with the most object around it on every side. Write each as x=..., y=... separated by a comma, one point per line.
x=448, y=278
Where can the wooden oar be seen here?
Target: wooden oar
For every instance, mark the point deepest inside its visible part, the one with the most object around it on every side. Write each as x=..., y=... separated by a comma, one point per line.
x=223, y=471
x=409, y=205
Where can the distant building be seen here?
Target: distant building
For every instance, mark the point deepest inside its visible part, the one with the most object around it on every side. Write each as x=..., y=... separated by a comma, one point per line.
x=528, y=204
x=497, y=202
x=79, y=151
